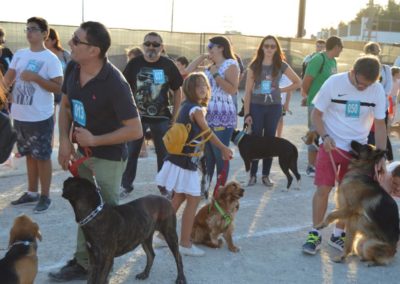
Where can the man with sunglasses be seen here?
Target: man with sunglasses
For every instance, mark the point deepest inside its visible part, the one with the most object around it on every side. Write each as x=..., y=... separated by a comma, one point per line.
x=99, y=107
x=321, y=66
x=36, y=74
x=155, y=81
x=345, y=108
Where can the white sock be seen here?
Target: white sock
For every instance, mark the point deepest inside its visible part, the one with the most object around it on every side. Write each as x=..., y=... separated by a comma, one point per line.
x=337, y=232
x=316, y=231
x=33, y=194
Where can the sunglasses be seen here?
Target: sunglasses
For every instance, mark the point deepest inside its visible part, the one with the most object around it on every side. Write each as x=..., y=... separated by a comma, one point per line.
x=152, y=43
x=211, y=45
x=32, y=29
x=76, y=41
x=269, y=46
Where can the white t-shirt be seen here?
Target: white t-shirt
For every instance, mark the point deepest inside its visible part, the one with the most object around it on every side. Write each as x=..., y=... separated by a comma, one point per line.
x=30, y=102
x=351, y=115
x=283, y=83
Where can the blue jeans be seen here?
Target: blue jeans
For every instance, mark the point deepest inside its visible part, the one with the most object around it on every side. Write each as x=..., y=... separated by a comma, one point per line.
x=265, y=120
x=213, y=154
x=158, y=129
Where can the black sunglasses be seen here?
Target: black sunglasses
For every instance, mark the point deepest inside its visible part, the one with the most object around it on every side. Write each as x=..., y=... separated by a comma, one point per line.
x=270, y=46
x=76, y=41
x=152, y=43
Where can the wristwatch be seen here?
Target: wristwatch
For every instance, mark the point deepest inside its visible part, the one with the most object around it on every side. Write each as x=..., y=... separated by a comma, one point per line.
x=324, y=136
x=215, y=75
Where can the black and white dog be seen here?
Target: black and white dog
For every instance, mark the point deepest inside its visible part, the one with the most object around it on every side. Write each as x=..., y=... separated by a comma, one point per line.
x=255, y=147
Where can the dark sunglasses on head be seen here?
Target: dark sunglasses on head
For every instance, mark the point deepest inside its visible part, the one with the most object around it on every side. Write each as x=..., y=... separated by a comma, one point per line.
x=152, y=43
x=76, y=41
x=211, y=45
x=269, y=46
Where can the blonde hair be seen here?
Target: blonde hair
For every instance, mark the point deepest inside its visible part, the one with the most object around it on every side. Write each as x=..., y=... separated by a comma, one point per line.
x=190, y=84
x=3, y=98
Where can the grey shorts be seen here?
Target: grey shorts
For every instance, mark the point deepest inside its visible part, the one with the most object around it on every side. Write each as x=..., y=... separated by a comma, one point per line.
x=34, y=138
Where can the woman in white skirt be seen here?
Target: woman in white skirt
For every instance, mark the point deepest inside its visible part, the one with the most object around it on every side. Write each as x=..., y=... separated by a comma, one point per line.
x=179, y=172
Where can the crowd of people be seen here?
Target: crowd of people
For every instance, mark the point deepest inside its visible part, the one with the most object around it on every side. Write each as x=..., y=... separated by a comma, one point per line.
x=104, y=113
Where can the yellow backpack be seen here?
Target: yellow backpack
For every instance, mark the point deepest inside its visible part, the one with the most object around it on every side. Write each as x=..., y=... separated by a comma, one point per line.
x=175, y=139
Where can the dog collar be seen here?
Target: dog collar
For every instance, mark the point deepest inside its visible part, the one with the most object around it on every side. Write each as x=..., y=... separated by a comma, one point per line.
x=239, y=137
x=25, y=243
x=94, y=213
x=227, y=217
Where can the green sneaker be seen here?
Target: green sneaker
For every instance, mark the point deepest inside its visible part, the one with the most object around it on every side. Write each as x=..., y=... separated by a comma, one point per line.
x=313, y=243
x=43, y=204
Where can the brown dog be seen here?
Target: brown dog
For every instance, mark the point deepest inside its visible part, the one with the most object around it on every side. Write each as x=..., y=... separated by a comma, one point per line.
x=112, y=231
x=369, y=212
x=20, y=265
x=210, y=222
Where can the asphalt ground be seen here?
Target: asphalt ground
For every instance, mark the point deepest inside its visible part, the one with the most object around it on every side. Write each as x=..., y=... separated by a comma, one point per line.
x=271, y=227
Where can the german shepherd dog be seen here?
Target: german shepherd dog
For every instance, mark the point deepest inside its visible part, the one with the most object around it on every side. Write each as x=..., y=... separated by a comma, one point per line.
x=369, y=212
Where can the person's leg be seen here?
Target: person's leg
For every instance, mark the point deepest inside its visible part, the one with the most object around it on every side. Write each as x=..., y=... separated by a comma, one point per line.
x=188, y=216
x=279, y=128
x=312, y=151
x=44, y=172
x=129, y=174
x=257, y=128
x=158, y=131
x=210, y=160
x=270, y=121
x=32, y=172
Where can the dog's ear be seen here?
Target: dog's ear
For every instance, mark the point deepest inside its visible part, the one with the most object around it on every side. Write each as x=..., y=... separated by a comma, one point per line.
x=38, y=234
x=356, y=149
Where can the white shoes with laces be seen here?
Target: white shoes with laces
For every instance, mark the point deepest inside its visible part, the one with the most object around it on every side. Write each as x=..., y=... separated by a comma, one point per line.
x=192, y=251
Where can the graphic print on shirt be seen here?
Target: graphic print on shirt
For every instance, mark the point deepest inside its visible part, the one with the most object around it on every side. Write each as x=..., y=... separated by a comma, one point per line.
x=23, y=91
x=149, y=96
x=266, y=88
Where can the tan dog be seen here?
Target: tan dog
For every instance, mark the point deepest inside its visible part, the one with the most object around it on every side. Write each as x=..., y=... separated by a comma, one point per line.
x=25, y=231
x=218, y=217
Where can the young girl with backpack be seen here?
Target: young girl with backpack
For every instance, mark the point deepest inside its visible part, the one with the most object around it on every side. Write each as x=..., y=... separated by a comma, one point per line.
x=179, y=172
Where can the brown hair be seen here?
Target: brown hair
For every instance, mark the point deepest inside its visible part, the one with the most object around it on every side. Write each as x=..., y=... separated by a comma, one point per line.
x=3, y=98
x=53, y=35
x=222, y=41
x=256, y=63
x=190, y=84
x=396, y=172
x=395, y=70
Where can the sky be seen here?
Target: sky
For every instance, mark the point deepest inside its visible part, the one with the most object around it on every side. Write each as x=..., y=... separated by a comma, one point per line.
x=250, y=17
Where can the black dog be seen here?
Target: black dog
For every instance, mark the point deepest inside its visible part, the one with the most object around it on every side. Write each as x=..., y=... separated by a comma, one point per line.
x=8, y=271
x=111, y=231
x=255, y=147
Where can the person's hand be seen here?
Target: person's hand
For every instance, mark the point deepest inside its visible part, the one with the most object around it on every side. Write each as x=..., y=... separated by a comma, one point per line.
x=329, y=144
x=66, y=152
x=213, y=69
x=227, y=153
x=286, y=108
x=380, y=169
x=29, y=76
x=84, y=137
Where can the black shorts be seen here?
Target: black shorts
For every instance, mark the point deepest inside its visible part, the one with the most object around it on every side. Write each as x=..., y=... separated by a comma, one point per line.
x=34, y=138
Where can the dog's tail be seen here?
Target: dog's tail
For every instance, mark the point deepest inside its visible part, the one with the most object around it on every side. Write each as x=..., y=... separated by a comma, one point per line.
x=376, y=251
x=293, y=164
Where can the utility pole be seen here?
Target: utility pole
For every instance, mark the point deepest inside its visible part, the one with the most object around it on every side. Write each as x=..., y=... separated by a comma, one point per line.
x=172, y=16
x=83, y=11
x=302, y=15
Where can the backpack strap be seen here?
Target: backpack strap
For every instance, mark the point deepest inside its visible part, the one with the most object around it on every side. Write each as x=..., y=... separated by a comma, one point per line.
x=322, y=65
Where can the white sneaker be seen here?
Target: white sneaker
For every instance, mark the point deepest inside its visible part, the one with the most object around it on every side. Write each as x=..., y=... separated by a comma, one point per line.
x=192, y=251
x=158, y=242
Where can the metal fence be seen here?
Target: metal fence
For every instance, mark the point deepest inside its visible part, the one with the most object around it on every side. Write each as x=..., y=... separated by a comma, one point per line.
x=193, y=44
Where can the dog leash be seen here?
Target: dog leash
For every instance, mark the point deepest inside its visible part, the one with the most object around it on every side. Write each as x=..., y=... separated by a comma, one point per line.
x=74, y=165
x=333, y=162
x=221, y=178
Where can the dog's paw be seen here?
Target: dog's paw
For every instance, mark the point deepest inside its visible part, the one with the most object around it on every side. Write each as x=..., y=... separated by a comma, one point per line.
x=338, y=259
x=234, y=249
x=142, y=276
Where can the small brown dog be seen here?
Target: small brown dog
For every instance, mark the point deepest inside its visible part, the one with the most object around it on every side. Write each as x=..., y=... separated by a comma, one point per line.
x=20, y=265
x=217, y=218
x=369, y=212
x=311, y=138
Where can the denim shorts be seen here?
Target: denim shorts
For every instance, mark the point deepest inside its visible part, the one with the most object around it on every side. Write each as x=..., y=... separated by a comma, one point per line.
x=34, y=138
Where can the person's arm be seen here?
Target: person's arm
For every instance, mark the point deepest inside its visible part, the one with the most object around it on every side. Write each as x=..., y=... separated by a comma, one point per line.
x=131, y=130
x=296, y=81
x=177, y=103
x=305, y=87
x=328, y=142
x=9, y=78
x=380, y=134
x=66, y=149
x=195, y=63
x=231, y=82
x=53, y=85
x=198, y=117
x=247, y=96
x=288, y=98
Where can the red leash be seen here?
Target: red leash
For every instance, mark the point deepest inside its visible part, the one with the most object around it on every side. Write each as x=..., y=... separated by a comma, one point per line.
x=333, y=162
x=74, y=165
x=221, y=178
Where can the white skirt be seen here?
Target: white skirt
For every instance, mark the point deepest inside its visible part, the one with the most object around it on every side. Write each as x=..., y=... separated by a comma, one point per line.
x=180, y=180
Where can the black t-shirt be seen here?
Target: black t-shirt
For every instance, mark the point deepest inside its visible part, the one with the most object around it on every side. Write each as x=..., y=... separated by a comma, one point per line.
x=5, y=59
x=101, y=105
x=151, y=83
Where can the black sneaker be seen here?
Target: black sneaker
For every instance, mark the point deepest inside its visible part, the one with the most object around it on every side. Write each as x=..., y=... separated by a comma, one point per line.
x=310, y=171
x=43, y=204
x=71, y=271
x=313, y=243
x=337, y=242
x=25, y=198
x=124, y=192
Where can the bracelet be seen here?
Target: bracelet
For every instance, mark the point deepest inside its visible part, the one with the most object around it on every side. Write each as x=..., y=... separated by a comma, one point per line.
x=215, y=75
x=324, y=136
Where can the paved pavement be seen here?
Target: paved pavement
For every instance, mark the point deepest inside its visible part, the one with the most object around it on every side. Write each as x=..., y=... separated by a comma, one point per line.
x=271, y=226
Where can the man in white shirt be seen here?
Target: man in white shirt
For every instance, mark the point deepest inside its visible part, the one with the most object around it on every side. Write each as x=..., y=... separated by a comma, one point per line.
x=346, y=106
x=37, y=74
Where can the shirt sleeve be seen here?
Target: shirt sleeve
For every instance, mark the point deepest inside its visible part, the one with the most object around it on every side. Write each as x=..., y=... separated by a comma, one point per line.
x=322, y=99
x=314, y=65
x=124, y=105
x=380, y=103
x=176, y=79
x=54, y=67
